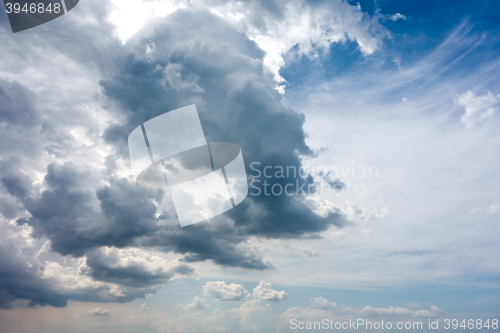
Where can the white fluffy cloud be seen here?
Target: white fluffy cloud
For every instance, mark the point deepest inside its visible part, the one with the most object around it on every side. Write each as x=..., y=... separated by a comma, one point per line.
x=222, y=291
x=264, y=291
x=477, y=108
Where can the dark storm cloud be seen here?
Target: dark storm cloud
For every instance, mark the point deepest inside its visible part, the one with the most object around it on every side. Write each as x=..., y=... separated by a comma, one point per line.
x=217, y=242
x=236, y=102
x=14, y=182
x=75, y=218
x=20, y=278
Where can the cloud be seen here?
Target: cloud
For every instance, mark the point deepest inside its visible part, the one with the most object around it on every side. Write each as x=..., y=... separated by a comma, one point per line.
x=133, y=267
x=32, y=274
x=100, y=312
x=69, y=210
x=396, y=17
x=20, y=278
x=434, y=311
x=198, y=303
x=322, y=304
x=477, y=108
x=222, y=291
x=219, y=243
x=494, y=208
x=17, y=106
x=264, y=291
x=307, y=27
x=278, y=27
x=251, y=316
x=309, y=253
x=23, y=277
x=238, y=104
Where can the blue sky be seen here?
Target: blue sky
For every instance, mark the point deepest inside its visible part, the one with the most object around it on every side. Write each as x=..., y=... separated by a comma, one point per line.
x=408, y=90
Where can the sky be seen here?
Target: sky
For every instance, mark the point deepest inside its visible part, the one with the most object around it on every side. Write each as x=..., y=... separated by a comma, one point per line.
x=387, y=111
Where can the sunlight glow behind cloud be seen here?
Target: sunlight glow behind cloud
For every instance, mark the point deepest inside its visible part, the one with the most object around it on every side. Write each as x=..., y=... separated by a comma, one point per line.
x=305, y=29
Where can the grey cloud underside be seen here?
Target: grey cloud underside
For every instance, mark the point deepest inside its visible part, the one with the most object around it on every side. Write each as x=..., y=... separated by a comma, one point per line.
x=20, y=280
x=211, y=65
x=77, y=219
x=103, y=267
x=122, y=214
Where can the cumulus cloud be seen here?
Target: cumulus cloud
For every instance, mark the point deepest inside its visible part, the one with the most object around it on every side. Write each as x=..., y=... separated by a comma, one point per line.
x=222, y=291
x=477, y=108
x=264, y=291
x=198, y=303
